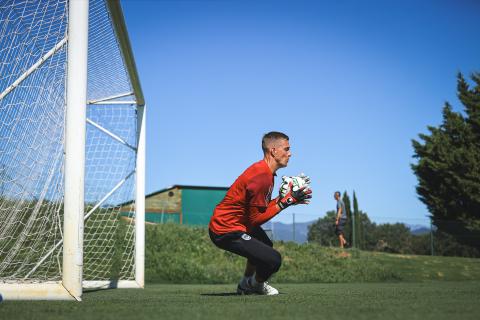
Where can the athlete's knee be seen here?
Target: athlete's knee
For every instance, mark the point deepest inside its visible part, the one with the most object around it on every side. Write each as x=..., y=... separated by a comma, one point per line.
x=268, y=242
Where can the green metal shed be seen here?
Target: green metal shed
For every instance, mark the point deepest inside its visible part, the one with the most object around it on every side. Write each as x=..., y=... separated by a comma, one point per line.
x=189, y=205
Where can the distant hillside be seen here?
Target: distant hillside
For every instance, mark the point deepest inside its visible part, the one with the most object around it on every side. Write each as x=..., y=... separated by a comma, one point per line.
x=418, y=229
x=284, y=231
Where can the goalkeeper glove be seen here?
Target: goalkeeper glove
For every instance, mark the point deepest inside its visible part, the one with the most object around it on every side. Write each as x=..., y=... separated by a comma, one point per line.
x=305, y=178
x=301, y=195
x=299, y=181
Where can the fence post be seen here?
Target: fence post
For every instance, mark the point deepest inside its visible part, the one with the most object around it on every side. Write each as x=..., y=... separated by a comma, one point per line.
x=354, y=241
x=431, y=238
x=293, y=215
x=273, y=232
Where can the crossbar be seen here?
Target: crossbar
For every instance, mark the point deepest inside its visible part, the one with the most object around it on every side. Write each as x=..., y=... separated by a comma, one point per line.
x=110, y=98
x=113, y=102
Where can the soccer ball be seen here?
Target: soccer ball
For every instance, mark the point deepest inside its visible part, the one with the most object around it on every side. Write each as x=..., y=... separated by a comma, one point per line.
x=297, y=183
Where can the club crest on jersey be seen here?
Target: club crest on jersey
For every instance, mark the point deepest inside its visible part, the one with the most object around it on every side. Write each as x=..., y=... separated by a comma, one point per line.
x=246, y=237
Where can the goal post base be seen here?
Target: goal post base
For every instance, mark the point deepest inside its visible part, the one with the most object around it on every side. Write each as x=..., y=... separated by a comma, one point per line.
x=35, y=291
x=111, y=284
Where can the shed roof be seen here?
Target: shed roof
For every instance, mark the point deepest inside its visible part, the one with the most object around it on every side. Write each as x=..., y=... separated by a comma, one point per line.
x=182, y=186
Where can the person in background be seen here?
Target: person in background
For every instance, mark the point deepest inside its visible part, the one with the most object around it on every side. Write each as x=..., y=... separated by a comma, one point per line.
x=340, y=220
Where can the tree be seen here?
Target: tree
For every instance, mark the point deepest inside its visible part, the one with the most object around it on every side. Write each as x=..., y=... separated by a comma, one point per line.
x=369, y=240
x=446, y=245
x=347, y=231
x=358, y=223
x=394, y=238
x=322, y=231
x=448, y=167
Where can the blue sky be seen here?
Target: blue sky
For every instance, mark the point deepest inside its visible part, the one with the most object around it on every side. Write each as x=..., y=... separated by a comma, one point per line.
x=351, y=83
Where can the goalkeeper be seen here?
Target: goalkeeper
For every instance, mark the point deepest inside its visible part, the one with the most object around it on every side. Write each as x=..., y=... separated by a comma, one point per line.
x=236, y=220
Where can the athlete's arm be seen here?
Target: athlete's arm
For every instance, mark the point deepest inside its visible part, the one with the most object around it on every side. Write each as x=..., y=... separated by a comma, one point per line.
x=260, y=215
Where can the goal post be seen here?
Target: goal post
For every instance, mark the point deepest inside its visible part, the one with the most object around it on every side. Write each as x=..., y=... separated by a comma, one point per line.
x=72, y=150
x=75, y=132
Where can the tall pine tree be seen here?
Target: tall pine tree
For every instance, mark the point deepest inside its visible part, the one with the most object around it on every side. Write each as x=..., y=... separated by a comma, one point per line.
x=448, y=167
x=358, y=222
x=347, y=231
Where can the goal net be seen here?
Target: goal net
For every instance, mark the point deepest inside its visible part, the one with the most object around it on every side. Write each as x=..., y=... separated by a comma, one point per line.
x=41, y=238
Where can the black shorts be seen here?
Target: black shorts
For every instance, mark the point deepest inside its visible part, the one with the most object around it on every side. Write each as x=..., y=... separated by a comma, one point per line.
x=255, y=246
x=340, y=226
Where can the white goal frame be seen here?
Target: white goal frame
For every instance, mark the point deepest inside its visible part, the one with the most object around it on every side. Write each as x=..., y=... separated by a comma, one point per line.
x=72, y=283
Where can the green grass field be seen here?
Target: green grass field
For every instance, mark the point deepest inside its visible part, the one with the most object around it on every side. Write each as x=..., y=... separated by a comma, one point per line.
x=423, y=300
x=315, y=283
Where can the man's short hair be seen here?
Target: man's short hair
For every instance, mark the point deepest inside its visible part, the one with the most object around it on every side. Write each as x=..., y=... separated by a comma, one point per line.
x=268, y=138
x=339, y=193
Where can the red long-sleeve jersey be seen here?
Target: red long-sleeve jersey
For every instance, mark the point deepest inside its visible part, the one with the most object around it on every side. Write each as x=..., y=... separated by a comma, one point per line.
x=247, y=203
